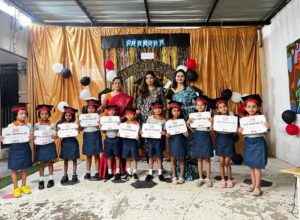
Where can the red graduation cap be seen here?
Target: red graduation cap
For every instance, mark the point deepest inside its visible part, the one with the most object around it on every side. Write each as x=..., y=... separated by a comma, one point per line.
x=156, y=105
x=130, y=111
x=70, y=110
x=252, y=98
x=174, y=104
x=93, y=102
x=19, y=106
x=111, y=107
x=42, y=107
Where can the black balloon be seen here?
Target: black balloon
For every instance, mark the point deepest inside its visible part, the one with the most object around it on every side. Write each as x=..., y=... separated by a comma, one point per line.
x=66, y=73
x=227, y=93
x=191, y=75
x=288, y=116
x=85, y=81
x=237, y=159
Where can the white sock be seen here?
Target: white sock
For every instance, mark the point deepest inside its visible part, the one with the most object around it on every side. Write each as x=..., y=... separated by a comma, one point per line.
x=150, y=172
x=88, y=171
x=109, y=171
x=41, y=178
x=118, y=170
x=159, y=171
x=134, y=170
x=128, y=171
x=50, y=177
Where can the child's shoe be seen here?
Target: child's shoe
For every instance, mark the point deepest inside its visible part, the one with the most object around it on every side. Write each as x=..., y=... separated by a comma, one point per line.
x=149, y=178
x=250, y=189
x=223, y=183
x=96, y=176
x=229, y=183
x=64, y=179
x=17, y=193
x=208, y=182
x=161, y=178
x=50, y=183
x=87, y=176
x=109, y=176
x=257, y=192
x=117, y=176
x=126, y=177
x=180, y=180
x=199, y=182
x=135, y=177
x=25, y=189
x=74, y=178
x=41, y=185
x=174, y=180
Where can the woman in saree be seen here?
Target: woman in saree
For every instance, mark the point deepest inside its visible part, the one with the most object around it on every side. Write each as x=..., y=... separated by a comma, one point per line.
x=181, y=92
x=122, y=100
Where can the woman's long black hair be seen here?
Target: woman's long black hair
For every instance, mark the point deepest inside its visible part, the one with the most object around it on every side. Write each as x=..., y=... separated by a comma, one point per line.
x=62, y=120
x=143, y=88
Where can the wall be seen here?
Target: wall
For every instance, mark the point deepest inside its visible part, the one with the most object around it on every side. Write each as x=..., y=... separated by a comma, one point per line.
x=284, y=29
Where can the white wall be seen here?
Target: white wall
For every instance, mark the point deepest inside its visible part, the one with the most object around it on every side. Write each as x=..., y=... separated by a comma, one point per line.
x=284, y=29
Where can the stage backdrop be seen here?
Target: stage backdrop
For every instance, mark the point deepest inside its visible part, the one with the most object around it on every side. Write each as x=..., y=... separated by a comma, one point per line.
x=226, y=58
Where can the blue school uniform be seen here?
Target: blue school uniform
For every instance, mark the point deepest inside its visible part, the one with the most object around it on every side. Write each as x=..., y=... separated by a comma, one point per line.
x=47, y=152
x=19, y=154
x=112, y=144
x=224, y=144
x=177, y=145
x=92, y=141
x=129, y=148
x=255, y=151
x=202, y=144
x=69, y=148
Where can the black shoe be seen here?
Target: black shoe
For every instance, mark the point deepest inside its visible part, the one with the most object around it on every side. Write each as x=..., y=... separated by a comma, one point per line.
x=41, y=185
x=50, y=183
x=161, y=178
x=117, y=176
x=109, y=176
x=96, y=176
x=135, y=177
x=64, y=179
x=126, y=176
x=74, y=178
x=149, y=178
x=87, y=176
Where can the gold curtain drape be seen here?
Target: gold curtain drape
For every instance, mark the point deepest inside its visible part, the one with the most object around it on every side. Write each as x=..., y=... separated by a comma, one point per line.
x=226, y=58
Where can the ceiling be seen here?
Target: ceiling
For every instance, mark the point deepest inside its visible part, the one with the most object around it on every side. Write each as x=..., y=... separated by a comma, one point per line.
x=151, y=12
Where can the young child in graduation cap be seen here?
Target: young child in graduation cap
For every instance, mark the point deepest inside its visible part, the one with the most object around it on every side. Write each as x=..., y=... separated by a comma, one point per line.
x=69, y=146
x=177, y=143
x=224, y=144
x=202, y=147
x=92, y=141
x=45, y=154
x=20, y=154
x=255, y=146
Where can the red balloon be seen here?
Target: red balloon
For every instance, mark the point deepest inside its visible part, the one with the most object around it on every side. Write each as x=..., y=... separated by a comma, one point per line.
x=292, y=129
x=191, y=64
x=109, y=65
x=241, y=109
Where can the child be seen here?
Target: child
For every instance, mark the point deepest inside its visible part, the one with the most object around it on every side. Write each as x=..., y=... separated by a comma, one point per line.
x=20, y=155
x=45, y=153
x=155, y=146
x=112, y=145
x=224, y=145
x=92, y=142
x=69, y=146
x=255, y=146
x=202, y=144
x=130, y=147
x=177, y=143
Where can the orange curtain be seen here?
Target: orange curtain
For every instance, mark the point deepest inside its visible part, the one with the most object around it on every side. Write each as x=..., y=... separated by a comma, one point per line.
x=226, y=58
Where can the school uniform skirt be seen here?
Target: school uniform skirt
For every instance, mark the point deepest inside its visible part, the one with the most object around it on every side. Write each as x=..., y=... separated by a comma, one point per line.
x=92, y=143
x=255, y=152
x=112, y=147
x=47, y=152
x=155, y=147
x=224, y=145
x=129, y=148
x=19, y=156
x=177, y=145
x=202, y=145
x=69, y=149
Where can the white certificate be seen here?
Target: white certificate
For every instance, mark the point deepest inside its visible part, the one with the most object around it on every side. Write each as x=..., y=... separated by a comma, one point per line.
x=225, y=123
x=15, y=134
x=176, y=126
x=67, y=130
x=151, y=131
x=43, y=137
x=89, y=120
x=253, y=124
x=200, y=119
x=130, y=131
x=109, y=123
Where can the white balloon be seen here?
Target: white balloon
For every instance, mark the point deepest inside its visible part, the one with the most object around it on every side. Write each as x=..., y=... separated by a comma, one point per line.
x=85, y=94
x=61, y=106
x=57, y=67
x=236, y=97
x=182, y=67
x=111, y=74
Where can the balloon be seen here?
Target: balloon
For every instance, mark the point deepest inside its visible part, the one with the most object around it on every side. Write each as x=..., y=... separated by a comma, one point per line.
x=85, y=94
x=292, y=129
x=111, y=75
x=237, y=159
x=191, y=64
x=288, y=116
x=236, y=97
x=227, y=93
x=191, y=75
x=66, y=73
x=57, y=67
x=241, y=109
x=61, y=106
x=197, y=90
x=182, y=67
x=85, y=81
x=109, y=65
